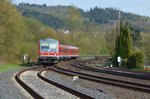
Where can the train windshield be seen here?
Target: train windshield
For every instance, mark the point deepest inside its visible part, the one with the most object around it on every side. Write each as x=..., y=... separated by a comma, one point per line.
x=53, y=46
x=44, y=47
x=49, y=46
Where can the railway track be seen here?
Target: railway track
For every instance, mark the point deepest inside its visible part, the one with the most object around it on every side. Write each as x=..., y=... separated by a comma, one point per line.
x=115, y=71
x=103, y=60
x=70, y=90
x=35, y=95
x=111, y=81
x=115, y=82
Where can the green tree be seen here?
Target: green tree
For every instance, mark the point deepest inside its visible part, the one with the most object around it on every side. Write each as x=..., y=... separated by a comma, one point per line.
x=11, y=29
x=123, y=42
x=136, y=60
x=19, y=35
x=75, y=20
x=136, y=36
x=146, y=48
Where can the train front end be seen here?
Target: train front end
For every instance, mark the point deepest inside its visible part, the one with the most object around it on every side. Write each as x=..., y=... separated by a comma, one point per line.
x=48, y=50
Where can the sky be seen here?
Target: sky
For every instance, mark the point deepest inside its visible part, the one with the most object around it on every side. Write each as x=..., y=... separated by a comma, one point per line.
x=141, y=7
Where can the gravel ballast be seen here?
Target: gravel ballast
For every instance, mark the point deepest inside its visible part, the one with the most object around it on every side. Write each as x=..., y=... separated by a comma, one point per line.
x=79, y=84
x=9, y=88
x=46, y=90
x=87, y=86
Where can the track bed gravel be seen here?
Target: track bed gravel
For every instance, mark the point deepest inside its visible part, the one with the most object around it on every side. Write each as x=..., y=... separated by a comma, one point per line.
x=117, y=77
x=79, y=84
x=67, y=65
x=44, y=89
x=8, y=87
x=92, y=88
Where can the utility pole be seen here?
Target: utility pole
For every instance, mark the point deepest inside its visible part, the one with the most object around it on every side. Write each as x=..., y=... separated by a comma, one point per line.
x=118, y=23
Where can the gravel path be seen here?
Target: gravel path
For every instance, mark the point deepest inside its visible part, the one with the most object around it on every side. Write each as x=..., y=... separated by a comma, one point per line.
x=8, y=87
x=79, y=85
x=46, y=90
x=92, y=88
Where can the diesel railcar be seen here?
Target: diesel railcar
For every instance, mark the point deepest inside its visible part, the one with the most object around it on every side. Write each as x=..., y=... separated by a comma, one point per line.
x=50, y=50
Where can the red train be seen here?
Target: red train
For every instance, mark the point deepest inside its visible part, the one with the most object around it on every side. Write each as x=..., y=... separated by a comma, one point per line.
x=50, y=50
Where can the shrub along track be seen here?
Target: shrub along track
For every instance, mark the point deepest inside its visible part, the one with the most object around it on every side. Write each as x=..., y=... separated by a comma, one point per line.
x=121, y=83
x=35, y=95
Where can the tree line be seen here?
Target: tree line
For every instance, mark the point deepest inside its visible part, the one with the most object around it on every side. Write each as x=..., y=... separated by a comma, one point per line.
x=59, y=15
x=21, y=30
x=19, y=34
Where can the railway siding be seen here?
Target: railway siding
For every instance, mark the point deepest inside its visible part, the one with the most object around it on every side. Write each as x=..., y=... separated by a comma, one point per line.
x=44, y=89
x=79, y=85
x=118, y=92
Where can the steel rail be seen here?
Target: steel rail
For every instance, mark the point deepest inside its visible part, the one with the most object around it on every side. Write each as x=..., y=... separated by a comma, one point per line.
x=102, y=79
x=25, y=86
x=114, y=72
x=70, y=90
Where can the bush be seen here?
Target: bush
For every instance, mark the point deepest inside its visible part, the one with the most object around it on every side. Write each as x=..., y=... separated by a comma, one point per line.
x=136, y=60
x=124, y=62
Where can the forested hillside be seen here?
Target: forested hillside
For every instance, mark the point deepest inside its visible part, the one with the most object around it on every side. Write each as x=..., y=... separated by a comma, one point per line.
x=19, y=35
x=94, y=31
x=57, y=16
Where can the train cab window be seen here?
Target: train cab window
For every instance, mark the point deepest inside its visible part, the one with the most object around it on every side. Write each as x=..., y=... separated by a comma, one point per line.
x=53, y=47
x=44, y=48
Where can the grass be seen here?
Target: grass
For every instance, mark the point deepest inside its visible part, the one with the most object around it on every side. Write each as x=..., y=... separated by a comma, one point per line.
x=28, y=64
x=8, y=67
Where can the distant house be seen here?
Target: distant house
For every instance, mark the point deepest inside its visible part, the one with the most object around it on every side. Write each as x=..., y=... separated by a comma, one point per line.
x=63, y=31
x=66, y=32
